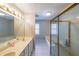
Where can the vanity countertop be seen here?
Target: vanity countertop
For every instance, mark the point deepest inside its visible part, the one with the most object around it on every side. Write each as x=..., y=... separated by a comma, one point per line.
x=17, y=48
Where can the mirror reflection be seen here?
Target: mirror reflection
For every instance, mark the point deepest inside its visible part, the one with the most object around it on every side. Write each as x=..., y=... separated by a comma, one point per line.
x=6, y=27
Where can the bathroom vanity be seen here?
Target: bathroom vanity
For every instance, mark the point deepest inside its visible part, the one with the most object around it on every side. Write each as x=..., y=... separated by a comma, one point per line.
x=15, y=39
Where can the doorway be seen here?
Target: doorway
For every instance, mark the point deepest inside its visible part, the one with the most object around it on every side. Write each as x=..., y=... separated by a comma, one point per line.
x=42, y=32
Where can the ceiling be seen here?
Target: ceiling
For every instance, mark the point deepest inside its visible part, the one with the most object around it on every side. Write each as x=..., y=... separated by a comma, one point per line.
x=40, y=8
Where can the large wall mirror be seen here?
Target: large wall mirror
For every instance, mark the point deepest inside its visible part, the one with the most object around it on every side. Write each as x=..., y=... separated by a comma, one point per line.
x=6, y=27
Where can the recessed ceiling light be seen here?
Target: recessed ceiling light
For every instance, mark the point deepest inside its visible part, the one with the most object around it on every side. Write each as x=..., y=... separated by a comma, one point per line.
x=2, y=14
x=48, y=14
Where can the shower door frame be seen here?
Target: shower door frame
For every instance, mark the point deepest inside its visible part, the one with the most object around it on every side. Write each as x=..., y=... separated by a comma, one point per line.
x=69, y=30
x=58, y=42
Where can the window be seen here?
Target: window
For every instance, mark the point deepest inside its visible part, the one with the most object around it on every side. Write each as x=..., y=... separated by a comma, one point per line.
x=54, y=29
x=37, y=29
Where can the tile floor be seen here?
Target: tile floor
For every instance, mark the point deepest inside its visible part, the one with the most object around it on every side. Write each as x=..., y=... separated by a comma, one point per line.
x=41, y=48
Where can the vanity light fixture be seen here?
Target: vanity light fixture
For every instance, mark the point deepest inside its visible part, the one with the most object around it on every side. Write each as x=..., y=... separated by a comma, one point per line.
x=2, y=14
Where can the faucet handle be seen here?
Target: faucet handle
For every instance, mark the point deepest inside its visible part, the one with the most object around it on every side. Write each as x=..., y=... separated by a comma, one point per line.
x=11, y=44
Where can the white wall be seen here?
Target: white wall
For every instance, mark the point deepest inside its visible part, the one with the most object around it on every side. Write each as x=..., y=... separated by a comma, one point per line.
x=75, y=37
x=44, y=28
x=29, y=25
x=26, y=27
